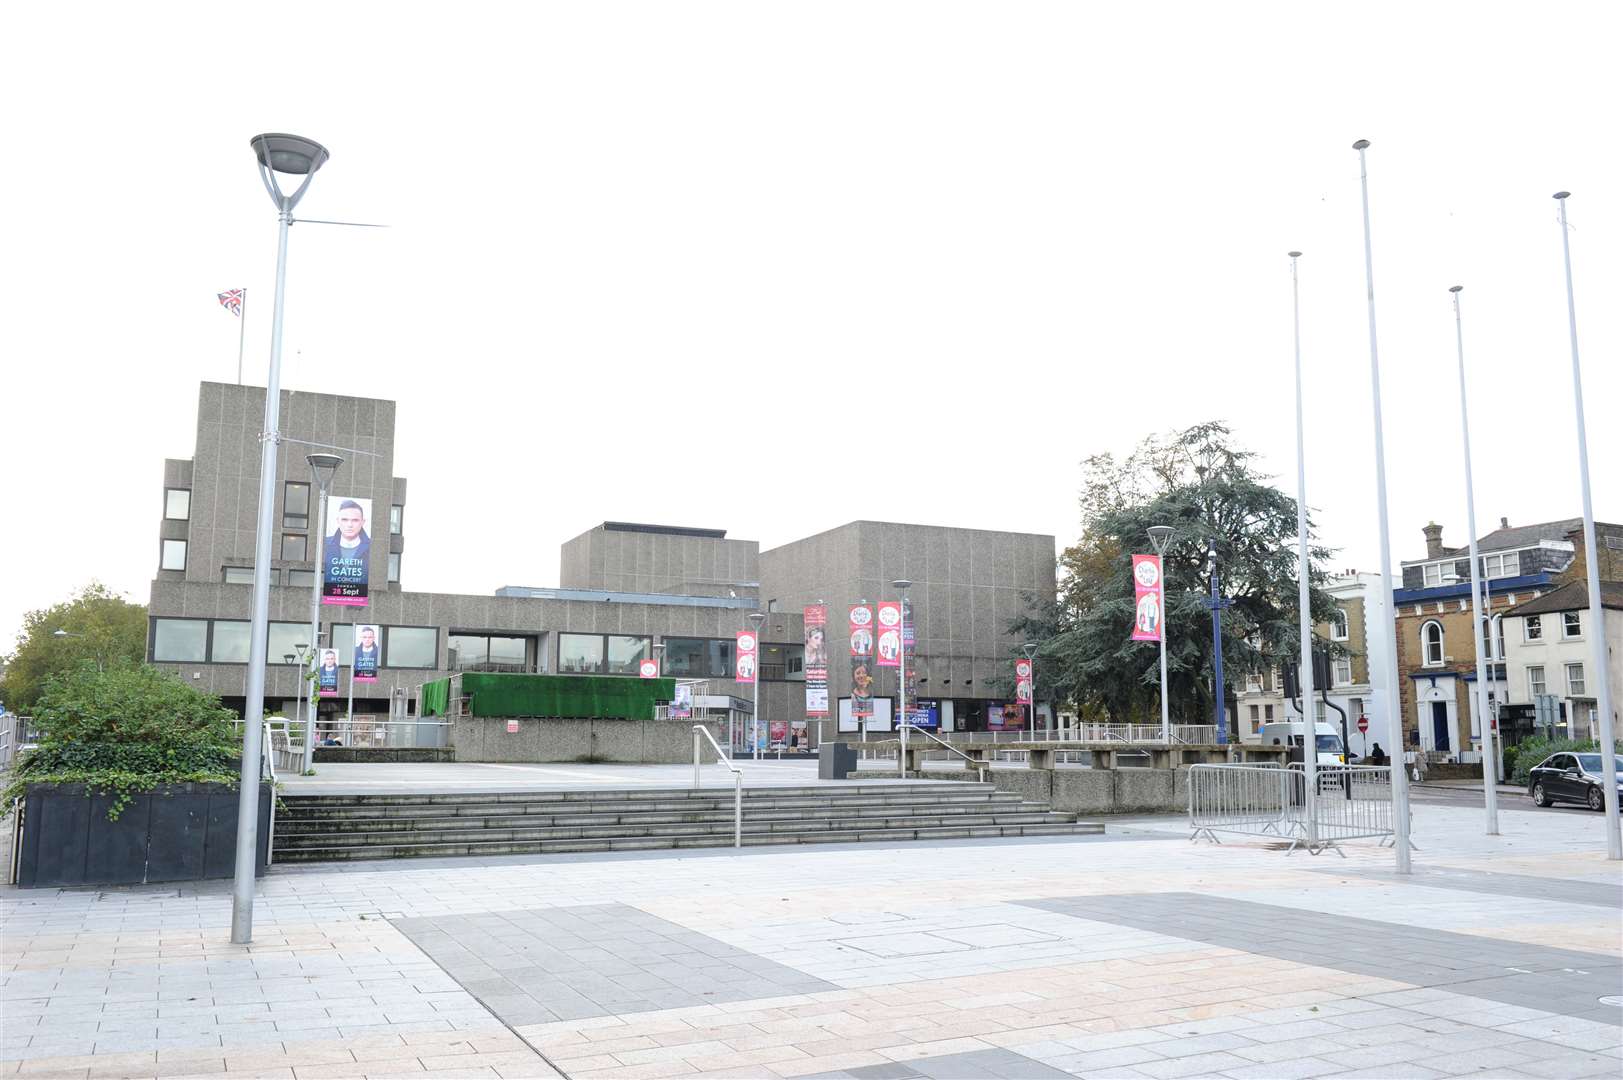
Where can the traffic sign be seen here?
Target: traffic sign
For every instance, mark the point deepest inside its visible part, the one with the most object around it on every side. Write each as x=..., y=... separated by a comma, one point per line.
x=1363, y=724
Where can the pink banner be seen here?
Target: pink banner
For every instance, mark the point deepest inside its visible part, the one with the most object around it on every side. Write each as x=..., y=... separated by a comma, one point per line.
x=1022, y=681
x=889, y=641
x=746, y=656
x=1148, y=596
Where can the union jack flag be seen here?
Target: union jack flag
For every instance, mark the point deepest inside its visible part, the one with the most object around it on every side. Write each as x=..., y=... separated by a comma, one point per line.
x=231, y=301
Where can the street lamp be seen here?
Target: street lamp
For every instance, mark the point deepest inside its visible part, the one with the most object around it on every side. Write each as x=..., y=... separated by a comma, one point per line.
x=1217, y=603
x=1485, y=719
x=100, y=664
x=756, y=618
x=1597, y=633
x=1030, y=649
x=1159, y=536
x=322, y=469
x=293, y=156
x=901, y=585
x=1389, y=642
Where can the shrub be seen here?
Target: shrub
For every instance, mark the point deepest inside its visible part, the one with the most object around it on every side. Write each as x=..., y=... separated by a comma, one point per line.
x=1530, y=752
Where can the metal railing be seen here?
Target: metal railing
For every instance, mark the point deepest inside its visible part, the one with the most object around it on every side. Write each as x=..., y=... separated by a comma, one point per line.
x=1350, y=801
x=738, y=779
x=1347, y=802
x=16, y=735
x=979, y=766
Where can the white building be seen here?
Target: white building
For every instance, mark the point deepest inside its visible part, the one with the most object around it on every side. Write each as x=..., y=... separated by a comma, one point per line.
x=1549, y=649
x=1363, y=615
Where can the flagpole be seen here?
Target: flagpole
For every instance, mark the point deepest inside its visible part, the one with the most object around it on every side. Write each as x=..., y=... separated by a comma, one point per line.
x=242, y=325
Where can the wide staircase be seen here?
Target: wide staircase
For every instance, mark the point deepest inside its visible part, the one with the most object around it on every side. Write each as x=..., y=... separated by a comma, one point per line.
x=313, y=828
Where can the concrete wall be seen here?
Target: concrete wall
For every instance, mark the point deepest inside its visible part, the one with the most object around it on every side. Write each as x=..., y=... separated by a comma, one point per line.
x=647, y=560
x=646, y=742
x=1092, y=791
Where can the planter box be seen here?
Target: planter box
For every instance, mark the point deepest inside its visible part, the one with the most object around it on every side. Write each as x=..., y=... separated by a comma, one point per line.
x=178, y=832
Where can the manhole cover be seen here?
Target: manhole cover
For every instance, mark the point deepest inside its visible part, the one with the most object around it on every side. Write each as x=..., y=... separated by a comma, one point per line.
x=1614, y=999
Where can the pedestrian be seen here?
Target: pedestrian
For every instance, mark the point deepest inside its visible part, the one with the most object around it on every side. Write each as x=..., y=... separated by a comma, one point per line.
x=1377, y=756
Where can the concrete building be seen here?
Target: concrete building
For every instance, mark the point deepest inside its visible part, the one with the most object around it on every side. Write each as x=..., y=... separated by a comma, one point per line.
x=623, y=586
x=1358, y=678
x=1436, y=643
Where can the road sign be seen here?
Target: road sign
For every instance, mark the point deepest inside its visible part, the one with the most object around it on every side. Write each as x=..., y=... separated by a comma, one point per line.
x=1363, y=724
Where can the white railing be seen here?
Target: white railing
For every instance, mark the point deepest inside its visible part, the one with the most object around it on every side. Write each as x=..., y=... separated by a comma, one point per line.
x=738, y=779
x=1348, y=802
x=1194, y=734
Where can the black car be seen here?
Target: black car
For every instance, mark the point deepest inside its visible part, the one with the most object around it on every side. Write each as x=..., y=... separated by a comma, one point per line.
x=1571, y=778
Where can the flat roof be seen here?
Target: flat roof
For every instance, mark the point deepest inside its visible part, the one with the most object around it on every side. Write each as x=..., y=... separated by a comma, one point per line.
x=664, y=530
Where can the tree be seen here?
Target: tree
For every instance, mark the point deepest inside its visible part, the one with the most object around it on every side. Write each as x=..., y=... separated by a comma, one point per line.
x=103, y=630
x=1207, y=489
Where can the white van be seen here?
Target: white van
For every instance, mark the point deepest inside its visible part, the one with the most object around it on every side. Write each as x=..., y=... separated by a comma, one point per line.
x=1331, y=752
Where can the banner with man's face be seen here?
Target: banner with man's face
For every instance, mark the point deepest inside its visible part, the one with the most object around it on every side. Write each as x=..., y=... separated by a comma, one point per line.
x=368, y=653
x=346, y=551
x=327, y=674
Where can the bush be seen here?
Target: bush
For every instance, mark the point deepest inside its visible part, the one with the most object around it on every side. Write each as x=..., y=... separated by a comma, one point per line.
x=1528, y=753
x=127, y=730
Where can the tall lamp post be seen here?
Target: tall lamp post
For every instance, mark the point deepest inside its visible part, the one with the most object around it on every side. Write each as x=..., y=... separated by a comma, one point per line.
x=1597, y=625
x=322, y=469
x=756, y=619
x=1485, y=718
x=1217, y=603
x=289, y=155
x=1392, y=706
x=1159, y=535
x=1030, y=649
x=901, y=585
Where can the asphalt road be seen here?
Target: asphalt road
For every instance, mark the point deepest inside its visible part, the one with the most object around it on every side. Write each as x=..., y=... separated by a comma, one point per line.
x=1438, y=795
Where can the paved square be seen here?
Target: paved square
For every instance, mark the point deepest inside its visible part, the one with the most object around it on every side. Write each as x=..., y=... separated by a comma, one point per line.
x=1124, y=956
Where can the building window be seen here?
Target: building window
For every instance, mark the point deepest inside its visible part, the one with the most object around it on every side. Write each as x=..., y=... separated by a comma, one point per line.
x=1432, y=574
x=180, y=640
x=294, y=547
x=783, y=663
x=699, y=658
x=411, y=646
x=301, y=578
x=1338, y=625
x=283, y=641
x=239, y=575
x=1575, y=680
x=1342, y=673
x=394, y=567
x=1532, y=628
x=580, y=654
x=625, y=653
x=1571, y=624
x=1253, y=683
x=177, y=503
x=1535, y=680
x=295, y=505
x=173, y=556
x=228, y=644
x=1255, y=712
x=1431, y=643
x=487, y=652
x=396, y=513
x=1267, y=712
x=1507, y=564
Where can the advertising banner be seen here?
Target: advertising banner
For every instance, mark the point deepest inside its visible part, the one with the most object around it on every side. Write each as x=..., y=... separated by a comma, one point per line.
x=861, y=660
x=1148, y=596
x=327, y=674
x=816, y=661
x=890, y=633
x=1005, y=716
x=682, y=703
x=1022, y=681
x=648, y=669
x=346, y=552
x=746, y=656
x=912, y=669
x=368, y=651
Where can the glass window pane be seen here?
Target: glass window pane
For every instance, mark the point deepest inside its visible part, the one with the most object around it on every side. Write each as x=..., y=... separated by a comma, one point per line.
x=394, y=566
x=296, y=500
x=1570, y=623
x=302, y=578
x=177, y=503
x=783, y=663
x=508, y=650
x=230, y=641
x=467, y=652
x=395, y=515
x=293, y=547
x=182, y=640
x=580, y=654
x=343, y=639
x=239, y=575
x=626, y=652
x=411, y=646
x=174, y=555
x=283, y=639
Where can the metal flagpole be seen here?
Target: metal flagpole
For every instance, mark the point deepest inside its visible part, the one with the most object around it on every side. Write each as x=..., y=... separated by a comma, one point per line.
x=1597, y=624
x=1388, y=635
x=1304, y=604
x=242, y=325
x=1485, y=719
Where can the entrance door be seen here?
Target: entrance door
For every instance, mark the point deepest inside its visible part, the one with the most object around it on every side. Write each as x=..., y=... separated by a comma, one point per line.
x=1439, y=725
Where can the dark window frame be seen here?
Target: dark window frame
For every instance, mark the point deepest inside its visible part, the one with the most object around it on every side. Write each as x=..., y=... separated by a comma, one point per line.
x=185, y=553
x=397, y=518
x=171, y=490
x=291, y=519
x=281, y=548
x=225, y=575
x=388, y=645
x=665, y=655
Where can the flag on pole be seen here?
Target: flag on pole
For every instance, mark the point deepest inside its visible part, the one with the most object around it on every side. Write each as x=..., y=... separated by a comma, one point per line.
x=231, y=301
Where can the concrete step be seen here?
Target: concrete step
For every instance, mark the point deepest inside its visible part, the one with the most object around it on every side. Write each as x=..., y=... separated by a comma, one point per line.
x=938, y=789
x=708, y=840
x=298, y=806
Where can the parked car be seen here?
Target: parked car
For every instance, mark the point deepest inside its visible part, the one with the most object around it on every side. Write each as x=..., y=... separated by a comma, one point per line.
x=1571, y=778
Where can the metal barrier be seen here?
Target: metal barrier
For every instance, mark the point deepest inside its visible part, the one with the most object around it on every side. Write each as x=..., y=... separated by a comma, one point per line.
x=1348, y=802
x=969, y=762
x=738, y=779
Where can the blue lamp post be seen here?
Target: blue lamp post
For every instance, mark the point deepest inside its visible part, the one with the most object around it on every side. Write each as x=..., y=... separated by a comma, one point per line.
x=1217, y=603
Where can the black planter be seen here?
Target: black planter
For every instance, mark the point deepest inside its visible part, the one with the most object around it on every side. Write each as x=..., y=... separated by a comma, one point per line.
x=178, y=832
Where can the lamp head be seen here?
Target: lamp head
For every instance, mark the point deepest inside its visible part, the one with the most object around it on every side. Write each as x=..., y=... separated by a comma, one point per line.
x=757, y=617
x=1294, y=254
x=60, y=633
x=1455, y=288
x=1030, y=649
x=324, y=466
x=1562, y=195
x=1159, y=535
x=292, y=154
x=901, y=583
x=1361, y=144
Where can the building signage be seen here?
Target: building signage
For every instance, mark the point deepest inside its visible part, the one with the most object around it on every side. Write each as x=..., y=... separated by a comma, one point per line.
x=346, y=553
x=327, y=673
x=746, y=656
x=364, y=666
x=890, y=633
x=816, y=661
x=861, y=660
x=1148, y=596
x=648, y=669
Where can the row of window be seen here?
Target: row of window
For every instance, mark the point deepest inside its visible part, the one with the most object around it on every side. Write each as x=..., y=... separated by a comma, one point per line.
x=225, y=641
x=1502, y=565
x=1431, y=635
x=1537, y=684
x=172, y=556
x=177, y=506
x=1341, y=674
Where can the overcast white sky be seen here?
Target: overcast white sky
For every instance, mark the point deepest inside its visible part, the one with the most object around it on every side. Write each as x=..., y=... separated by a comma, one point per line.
x=628, y=237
